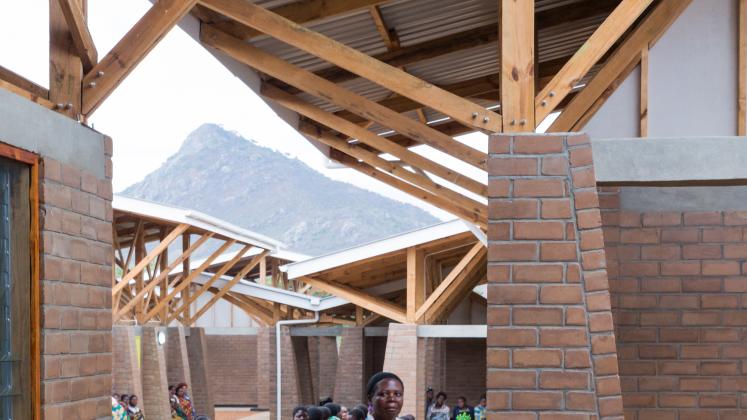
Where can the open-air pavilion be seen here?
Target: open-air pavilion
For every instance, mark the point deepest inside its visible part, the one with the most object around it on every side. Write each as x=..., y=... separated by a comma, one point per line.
x=606, y=214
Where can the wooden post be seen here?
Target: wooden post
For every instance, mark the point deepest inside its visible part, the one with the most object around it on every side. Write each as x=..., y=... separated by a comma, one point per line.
x=516, y=33
x=139, y=255
x=185, y=271
x=263, y=272
x=65, y=66
x=164, y=286
x=415, y=281
x=742, y=68
x=644, y=93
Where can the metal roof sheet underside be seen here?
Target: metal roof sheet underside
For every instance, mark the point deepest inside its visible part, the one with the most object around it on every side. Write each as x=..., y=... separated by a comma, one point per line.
x=417, y=21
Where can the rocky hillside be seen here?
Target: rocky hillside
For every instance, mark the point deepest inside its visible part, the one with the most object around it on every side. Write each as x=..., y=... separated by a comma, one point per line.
x=222, y=174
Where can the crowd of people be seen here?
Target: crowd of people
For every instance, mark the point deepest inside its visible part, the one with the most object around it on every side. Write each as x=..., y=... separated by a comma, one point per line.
x=385, y=393
x=125, y=406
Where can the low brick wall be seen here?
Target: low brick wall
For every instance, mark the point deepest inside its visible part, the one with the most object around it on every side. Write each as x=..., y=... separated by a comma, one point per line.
x=679, y=284
x=233, y=369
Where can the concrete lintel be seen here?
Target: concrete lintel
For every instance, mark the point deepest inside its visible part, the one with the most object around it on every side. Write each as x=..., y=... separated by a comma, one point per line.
x=32, y=127
x=453, y=331
x=675, y=159
x=316, y=332
x=231, y=331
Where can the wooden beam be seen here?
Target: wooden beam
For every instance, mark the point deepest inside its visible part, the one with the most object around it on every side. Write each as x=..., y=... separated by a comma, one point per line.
x=26, y=94
x=516, y=28
x=645, y=34
x=306, y=11
x=581, y=123
x=379, y=143
x=82, y=40
x=218, y=274
x=388, y=35
x=319, y=87
x=455, y=278
x=227, y=287
x=360, y=298
x=185, y=282
x=163, y=275
x=407, y=188
x=334, y=320
x=606, y=35
x=22, y=83
x=140, y=256
x=256, y=312
x=643, y=108
x=65, y=67
x=371, y=158
x=142, y=263
x=742, y=69
x=415, y=282
x=101, y=81
x=353, y=60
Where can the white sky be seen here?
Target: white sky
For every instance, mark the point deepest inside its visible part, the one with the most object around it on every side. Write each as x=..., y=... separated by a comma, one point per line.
x=175, y=89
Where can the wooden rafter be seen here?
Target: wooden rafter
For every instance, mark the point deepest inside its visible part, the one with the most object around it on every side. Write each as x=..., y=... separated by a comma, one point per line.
x=360, y=298
x=163, y=275
x=101, y=81
x=403, y=186
x=517, y=56
x=353, y=60
x=254, y=311
x=141, y=264
x=208, y=284
x=82, y=40
x=454, y=281
x=186, y=282
x=371, y=139
x=317, y=86
x=643, y=108
x=228, y=286
x=590, y=52
x=414, y=178
x=388, y=35
x=629, y=52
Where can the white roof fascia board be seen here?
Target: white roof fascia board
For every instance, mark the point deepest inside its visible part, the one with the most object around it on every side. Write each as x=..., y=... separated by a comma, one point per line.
x=274, y=294
x=479, y=234
x=373, y=249
x=194, y=218
x=453, y=331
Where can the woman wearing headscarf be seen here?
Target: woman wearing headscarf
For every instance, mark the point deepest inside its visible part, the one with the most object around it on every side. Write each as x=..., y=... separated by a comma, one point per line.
x=385, y=392
x=133, y=411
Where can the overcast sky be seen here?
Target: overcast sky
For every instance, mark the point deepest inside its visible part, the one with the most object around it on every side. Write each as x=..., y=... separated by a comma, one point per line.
x=178, y=87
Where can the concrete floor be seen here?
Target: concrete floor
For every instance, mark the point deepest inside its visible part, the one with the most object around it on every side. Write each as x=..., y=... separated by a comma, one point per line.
x=240, y=414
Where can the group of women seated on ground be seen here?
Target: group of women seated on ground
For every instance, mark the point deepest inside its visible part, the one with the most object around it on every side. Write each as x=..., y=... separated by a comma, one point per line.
x=124, y=407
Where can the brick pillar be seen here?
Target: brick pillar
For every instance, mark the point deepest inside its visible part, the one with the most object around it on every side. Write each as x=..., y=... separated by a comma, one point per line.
x=177, y=359
x=154, y=399
x=323, y=354
x=202, y=396
x=265, y=367
x=300, y=348
x=349, y=381
x=551, y=348
x=406, y=359
x=126, y=368
x=75, y=281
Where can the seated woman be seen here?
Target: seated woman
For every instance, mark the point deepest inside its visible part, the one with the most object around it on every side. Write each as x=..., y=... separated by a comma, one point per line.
x=133, y=411
x=184, y=403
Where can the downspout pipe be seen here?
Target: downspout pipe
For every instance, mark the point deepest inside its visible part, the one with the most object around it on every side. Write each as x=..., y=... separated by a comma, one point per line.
x=279, y=358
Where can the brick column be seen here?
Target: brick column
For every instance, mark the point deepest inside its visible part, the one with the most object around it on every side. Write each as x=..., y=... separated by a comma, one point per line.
x=76, y=272
x=551, y=349
x=406, y=358
x=349, y=380
x=126, y=368
x=154, y=399
x=265, y=367
x=202, y=396
x=323, y=354
x=177, y=360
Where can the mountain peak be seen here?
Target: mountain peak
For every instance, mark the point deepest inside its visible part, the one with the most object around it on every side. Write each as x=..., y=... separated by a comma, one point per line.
x=219, y=172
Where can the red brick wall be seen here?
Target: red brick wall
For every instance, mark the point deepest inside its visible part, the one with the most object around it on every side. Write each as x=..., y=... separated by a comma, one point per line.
x=549, y=306
x=76, y=261
x=233, y=375
x=678, y=290
x=323, y=355
x=464, y=363
x=349, y=381
x=198, y=356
